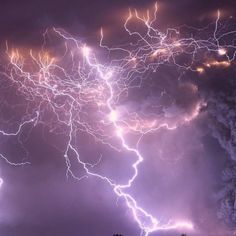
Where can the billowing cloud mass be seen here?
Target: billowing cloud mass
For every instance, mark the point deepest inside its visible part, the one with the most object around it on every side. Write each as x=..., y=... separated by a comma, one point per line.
x=220, y=98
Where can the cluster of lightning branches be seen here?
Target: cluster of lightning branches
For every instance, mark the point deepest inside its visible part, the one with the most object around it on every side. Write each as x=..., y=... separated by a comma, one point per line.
x=81, y=94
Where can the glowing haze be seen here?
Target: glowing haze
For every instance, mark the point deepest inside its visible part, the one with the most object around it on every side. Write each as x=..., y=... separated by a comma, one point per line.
x=72, y=91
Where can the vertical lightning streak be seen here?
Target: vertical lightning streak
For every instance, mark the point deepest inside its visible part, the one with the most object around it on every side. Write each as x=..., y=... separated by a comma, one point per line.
x=146, y=221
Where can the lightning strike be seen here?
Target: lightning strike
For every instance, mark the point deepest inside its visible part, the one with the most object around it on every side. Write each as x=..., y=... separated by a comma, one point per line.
x=90, y=86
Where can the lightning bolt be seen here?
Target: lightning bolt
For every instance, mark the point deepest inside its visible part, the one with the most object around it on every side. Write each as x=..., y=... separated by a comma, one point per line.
x=47, y=84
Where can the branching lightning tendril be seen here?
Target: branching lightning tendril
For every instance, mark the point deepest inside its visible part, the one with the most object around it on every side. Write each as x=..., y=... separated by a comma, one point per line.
x=83, y=94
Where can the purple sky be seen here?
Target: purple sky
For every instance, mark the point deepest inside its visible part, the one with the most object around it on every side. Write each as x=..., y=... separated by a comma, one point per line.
x=181, y=177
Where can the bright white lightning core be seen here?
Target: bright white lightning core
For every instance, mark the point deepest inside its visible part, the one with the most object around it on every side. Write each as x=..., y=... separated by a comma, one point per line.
x=83, y=95
x=222, y=52
x=113, y=116
x=86, y=51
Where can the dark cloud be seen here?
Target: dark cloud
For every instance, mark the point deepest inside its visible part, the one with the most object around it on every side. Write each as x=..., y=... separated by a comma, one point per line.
x=219, y=93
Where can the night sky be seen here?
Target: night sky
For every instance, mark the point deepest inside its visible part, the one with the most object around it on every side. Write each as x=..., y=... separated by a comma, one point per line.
x=188, y=172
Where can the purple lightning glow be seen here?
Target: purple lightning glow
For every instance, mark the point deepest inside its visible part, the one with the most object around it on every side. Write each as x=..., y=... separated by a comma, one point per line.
x=83, y=94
